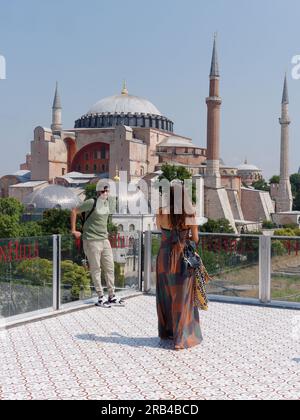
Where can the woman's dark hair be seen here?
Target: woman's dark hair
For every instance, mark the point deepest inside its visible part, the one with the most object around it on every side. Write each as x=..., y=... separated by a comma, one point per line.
x=181, y=208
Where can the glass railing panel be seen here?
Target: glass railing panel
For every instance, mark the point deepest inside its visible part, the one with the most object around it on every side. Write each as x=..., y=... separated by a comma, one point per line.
x=286, y=269
x=76, y=283
x=233, y=263
x=26, y=275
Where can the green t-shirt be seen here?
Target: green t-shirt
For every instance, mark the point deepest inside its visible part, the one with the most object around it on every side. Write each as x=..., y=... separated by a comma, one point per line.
x=95, y=228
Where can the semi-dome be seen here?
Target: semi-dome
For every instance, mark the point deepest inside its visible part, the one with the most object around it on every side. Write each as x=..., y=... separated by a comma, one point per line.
x=124, y=109
x=51, y=197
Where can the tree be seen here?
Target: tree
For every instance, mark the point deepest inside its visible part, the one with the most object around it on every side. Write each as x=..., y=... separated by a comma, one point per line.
x=217, y=226
x=11, y=207
x=295, y=182
x=31, y=229
x=172, y=173
x=9, y=227
x=275, y=179
x=261, y=185
x=56, y=222
x=90, y=191
x=180, y=173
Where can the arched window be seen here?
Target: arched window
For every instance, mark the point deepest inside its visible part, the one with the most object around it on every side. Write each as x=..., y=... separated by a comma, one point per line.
x=142, y=171
x=131, y=228
x=120, y=228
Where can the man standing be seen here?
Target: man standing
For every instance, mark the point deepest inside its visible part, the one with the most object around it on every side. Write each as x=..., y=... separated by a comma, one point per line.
x=96, y=244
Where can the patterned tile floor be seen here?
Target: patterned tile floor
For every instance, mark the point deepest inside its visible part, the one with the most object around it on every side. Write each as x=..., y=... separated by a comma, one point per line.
x=248, y=353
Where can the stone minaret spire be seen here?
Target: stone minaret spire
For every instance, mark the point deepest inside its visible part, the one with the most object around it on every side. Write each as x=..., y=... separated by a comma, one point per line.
x=56, y=112
x=285, y=198
x=214, y=102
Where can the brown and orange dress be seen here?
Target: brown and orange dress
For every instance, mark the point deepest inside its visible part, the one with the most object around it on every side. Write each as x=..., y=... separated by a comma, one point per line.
x=178, y=316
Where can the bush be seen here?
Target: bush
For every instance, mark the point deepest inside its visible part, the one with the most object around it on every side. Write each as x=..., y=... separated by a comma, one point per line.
x=219, y=226
x=11, y=207
x=56, y=222
x=267, y=224
x=278, y=249
x=31, y=230
x=285, y=232
x=77, y=279
x=9, y=227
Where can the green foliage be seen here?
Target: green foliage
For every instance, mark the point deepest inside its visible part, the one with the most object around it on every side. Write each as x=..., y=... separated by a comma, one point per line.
x=267, y=224
x=219, y=226
x=278, y=249
x=38, y=271
x=261, y=185
x=295, y=182
x=119, y=276
x=90, y=191
x=180, y=173
x=285, y=232
x=112, y=228
x=77, y=279
x=156, y=242
x=9, y=227
x=275, y=179
x=30, y=230
x=56, y=222
x=11, y=207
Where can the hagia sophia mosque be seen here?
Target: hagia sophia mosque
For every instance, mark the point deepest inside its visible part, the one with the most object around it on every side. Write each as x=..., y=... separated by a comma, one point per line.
x=129, y=133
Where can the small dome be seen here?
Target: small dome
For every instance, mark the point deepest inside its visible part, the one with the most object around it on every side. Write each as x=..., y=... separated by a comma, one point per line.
x=247, y=167
x=124, y=104
x=51, y=197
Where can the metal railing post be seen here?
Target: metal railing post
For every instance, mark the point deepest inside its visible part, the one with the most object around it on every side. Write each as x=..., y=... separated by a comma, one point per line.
x=140, y=256
x=56, y=272
x=265, y=267
x=147, y=261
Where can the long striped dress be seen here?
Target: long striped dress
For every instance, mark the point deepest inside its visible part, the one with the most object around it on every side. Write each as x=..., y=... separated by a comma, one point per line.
x=178, y=318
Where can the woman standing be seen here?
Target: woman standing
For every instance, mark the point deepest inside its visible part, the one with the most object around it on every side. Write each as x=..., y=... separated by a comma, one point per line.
x=178, y=315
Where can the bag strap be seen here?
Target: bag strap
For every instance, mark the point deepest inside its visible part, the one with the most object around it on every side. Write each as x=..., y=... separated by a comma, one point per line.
x=92, y=211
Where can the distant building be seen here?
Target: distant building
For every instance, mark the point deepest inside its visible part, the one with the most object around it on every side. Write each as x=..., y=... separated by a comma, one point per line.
x=249, y=174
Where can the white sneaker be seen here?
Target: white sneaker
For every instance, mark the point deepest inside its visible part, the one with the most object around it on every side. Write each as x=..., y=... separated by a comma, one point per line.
x=103, y=303
x=114, y=301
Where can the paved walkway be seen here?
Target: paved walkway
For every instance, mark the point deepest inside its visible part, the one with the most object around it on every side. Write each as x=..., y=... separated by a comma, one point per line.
x=248, y=353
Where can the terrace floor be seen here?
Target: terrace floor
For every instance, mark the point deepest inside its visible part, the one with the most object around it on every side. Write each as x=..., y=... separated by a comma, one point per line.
x=248, y=353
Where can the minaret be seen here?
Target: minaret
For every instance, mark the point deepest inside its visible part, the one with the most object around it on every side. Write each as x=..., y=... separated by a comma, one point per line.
x=56, y=112
x=285, y=198
x=214, y=102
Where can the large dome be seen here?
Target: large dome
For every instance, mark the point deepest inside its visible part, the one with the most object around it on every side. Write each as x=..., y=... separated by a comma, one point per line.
x=124, y=109
x=51, y=197
x=124, y=104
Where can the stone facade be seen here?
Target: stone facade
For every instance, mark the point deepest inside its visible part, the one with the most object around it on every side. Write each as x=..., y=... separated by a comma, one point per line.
x=257, y=205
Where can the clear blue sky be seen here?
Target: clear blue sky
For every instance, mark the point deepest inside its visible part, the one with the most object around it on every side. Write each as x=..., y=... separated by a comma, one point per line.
x=163, y=49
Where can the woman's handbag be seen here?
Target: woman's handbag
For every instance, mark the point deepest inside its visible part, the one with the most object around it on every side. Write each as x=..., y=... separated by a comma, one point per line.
x=190, y=257
x=201, y=280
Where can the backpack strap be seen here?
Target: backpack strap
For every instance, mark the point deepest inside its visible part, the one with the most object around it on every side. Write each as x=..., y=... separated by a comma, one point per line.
x=92, y=211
